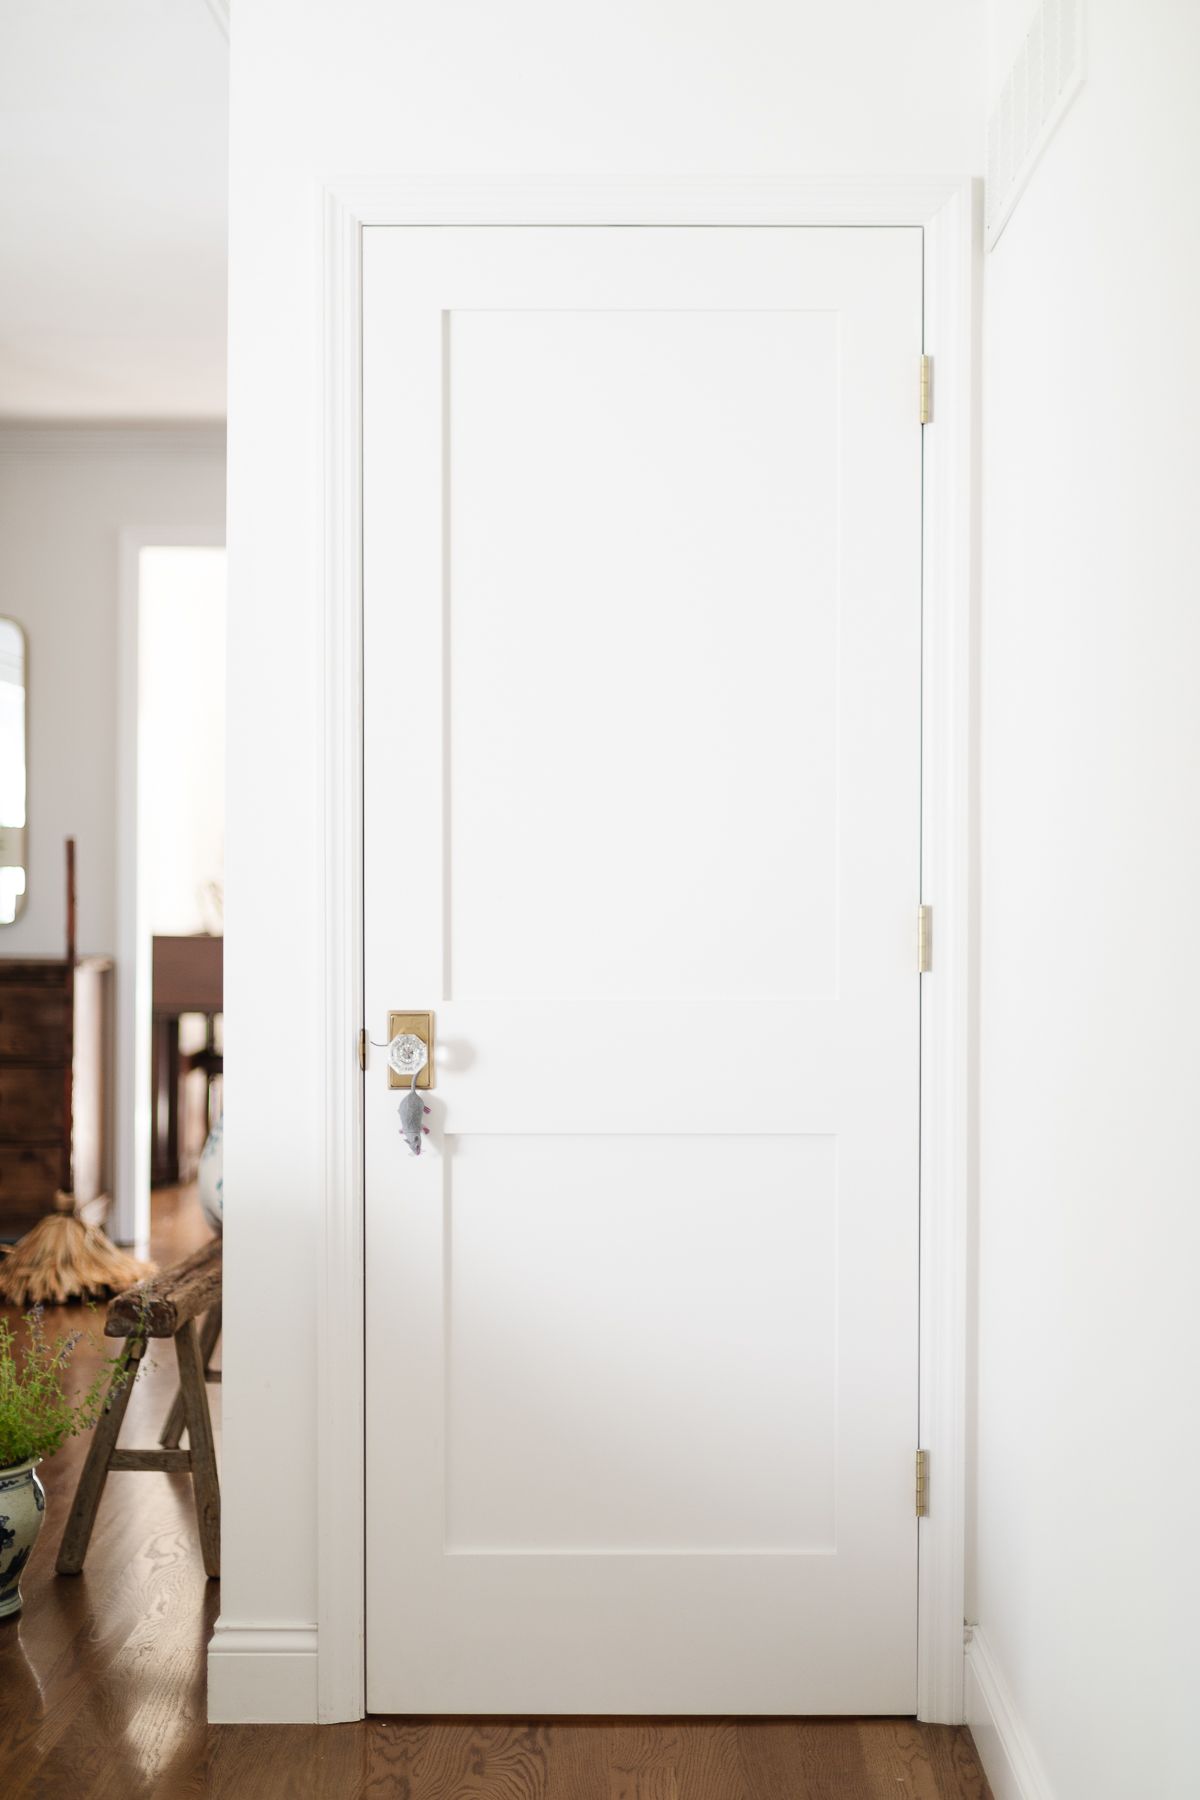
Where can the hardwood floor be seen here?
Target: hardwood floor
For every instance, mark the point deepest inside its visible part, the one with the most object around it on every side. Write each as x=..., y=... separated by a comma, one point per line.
x=102, y=1686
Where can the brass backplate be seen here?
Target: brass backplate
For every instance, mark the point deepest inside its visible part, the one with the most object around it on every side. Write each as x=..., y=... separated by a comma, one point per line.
x=420, y=1024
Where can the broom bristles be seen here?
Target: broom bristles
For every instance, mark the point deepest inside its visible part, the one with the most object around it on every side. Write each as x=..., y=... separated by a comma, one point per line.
x=60, y=1259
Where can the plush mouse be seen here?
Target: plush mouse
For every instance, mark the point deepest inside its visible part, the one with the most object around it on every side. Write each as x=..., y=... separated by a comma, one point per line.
x=412, y=1112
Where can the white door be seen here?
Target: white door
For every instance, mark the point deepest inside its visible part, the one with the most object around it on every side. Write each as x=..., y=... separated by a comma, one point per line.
x=642, y=717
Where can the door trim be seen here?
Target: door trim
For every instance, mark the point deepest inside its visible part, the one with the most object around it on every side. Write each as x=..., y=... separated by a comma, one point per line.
x=948, y=211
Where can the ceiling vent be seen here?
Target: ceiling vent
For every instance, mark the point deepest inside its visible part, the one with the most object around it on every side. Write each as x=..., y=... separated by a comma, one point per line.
x=1038, y=89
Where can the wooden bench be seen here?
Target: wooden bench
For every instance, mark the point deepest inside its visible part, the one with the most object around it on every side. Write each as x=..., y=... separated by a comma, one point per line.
x=164, y=1306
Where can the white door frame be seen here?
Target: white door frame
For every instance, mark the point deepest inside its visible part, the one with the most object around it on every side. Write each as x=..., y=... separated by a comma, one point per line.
x=129, y=1221
x=947, y=209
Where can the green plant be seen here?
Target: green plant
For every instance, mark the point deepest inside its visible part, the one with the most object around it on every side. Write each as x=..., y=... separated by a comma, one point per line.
x=37, y=1414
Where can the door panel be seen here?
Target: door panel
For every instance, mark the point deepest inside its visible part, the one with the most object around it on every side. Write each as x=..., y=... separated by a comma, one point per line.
x=642, y=685
x=659, y=549
x=553, y=1325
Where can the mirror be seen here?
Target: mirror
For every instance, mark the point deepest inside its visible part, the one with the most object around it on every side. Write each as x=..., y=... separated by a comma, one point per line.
x=13, y=665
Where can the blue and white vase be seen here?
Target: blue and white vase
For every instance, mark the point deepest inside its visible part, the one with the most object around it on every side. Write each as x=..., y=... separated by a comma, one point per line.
x=22, y=1509
x=210, y=1179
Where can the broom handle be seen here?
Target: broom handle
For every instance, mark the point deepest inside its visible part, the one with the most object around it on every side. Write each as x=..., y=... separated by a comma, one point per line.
x=69, y=1071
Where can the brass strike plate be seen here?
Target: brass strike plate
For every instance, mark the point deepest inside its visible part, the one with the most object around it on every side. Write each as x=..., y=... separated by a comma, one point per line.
x=420, y=1025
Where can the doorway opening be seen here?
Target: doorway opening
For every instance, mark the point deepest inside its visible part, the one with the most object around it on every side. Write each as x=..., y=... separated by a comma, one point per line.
x=173, y=883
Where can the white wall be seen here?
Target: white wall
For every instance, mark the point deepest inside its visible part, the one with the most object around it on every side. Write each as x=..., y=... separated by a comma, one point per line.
x=368, y=86
x=1084, y=1583
x=65, y=497
x=113, y=125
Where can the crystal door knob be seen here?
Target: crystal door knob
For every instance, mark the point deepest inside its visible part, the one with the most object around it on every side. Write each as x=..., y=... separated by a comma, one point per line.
x=410, y=1052
x=406, y=1054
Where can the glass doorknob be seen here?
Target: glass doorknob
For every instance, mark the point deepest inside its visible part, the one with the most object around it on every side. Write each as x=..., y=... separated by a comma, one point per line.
x=406, y=1054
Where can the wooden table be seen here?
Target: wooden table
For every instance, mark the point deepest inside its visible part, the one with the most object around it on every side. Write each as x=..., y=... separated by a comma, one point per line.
x=187, y=976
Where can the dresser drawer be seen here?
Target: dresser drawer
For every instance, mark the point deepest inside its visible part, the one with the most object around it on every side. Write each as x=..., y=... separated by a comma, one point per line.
x=20, y=1217
x=31, y=1105
x=29, y=1179
x=33, y=1023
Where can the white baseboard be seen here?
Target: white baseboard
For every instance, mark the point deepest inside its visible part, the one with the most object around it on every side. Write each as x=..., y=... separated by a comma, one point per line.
x=262, y=1674
x=1008, y=1757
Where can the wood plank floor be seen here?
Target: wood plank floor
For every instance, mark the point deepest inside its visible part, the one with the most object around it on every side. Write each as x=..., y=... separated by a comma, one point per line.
x=102, y=1687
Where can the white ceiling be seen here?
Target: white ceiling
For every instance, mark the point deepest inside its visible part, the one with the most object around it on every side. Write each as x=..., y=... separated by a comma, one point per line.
x=113, y=120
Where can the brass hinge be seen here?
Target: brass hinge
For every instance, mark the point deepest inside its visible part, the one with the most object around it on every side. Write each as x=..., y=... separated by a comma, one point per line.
x=924, y=939
x=363, y=1041
x=922, y=1484
x=926, y=389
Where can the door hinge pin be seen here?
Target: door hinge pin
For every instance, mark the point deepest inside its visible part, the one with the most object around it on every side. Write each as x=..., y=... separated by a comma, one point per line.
x=922, y=1484
x=363, y=1041
x=924, y=939
x=926, y=389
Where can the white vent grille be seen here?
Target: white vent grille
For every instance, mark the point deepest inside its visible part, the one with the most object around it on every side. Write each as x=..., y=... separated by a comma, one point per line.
x=1041, y=85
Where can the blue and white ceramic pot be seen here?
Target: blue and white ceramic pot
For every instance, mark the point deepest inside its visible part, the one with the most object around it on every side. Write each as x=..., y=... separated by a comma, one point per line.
x=211, y=1177
x=22, y=1509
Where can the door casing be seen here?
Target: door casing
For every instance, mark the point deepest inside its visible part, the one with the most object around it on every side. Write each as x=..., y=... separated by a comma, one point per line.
x=948, y=210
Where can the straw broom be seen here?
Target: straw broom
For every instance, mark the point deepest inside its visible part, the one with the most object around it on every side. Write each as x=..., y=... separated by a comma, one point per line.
x=61, y=1258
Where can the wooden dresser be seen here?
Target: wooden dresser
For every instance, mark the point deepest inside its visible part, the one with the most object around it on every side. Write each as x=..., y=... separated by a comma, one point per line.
x=35, y=1040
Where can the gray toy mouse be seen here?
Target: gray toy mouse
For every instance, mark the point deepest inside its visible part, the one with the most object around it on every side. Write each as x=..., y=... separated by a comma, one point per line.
x=412, y=1112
